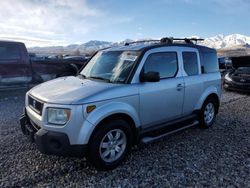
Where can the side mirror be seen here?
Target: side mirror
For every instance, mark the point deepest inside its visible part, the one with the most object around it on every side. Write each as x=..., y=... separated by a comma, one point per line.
x=150, y=77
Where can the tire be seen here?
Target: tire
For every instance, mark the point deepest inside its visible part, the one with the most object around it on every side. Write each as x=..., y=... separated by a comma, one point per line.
x=100, y=156
x=208, y=113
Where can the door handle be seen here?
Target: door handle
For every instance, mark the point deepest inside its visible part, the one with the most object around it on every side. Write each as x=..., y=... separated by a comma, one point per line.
x=179, y=87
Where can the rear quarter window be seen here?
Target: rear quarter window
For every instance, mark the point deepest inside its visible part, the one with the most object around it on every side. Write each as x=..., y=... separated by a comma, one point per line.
x=209, y=62
x=9, y=51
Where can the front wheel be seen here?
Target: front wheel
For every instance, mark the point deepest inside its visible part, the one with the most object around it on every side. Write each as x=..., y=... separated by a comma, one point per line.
x=208, y=113
x=110, y=144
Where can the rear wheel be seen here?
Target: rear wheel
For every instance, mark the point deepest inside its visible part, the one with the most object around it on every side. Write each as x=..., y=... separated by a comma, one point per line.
x=110, y=144
x=208, y=113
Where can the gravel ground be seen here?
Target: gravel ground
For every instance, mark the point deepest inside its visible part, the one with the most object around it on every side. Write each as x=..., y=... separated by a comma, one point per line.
x=216, y=157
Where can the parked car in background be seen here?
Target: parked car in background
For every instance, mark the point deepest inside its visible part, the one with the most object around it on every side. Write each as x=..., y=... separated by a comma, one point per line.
x=75, y=58
x=238, y=78
x=32, y=56
x=123, y=96
x=18, y=68
x=225, y=63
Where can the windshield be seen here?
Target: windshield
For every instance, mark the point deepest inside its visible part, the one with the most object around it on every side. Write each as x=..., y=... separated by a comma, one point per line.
x=110, y=66
x=243, y=70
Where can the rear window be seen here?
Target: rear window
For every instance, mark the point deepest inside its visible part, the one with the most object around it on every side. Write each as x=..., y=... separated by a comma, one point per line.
x=209, y=62
x=9, y=51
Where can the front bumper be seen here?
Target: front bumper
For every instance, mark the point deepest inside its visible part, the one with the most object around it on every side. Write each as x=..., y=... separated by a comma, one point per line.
x=50, y=142
x=236, y=86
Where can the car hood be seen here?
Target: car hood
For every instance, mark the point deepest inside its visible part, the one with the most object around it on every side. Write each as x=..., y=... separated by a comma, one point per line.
x=243, y=61
x=71, y=90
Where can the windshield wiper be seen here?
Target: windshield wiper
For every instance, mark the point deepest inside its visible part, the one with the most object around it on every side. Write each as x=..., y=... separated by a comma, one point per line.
x=99, y=78
x=118, y=81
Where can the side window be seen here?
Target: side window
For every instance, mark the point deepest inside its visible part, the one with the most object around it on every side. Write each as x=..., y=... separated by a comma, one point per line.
x=163, y=62
x=190, y=63
x=9, y=51
x=210, y=62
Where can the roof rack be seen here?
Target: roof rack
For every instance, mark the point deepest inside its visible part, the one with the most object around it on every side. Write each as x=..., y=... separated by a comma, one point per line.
x=140, y=41
x=167, y=40
x=170, y=40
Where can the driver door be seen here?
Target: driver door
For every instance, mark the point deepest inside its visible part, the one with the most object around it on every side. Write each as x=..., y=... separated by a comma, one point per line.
x=161, y=101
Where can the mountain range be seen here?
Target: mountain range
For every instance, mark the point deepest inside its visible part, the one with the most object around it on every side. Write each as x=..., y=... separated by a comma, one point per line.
x=219, y=42
x=229, y=41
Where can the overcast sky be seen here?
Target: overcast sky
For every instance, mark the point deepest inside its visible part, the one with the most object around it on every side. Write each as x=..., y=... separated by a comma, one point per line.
x=63, y=22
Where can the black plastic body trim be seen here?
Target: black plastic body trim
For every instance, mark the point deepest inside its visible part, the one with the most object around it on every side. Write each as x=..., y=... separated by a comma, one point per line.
x=162, y=128
x=50, y=142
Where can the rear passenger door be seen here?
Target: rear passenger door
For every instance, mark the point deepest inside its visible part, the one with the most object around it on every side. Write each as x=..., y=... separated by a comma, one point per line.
x=192, y=79
x=13, y=69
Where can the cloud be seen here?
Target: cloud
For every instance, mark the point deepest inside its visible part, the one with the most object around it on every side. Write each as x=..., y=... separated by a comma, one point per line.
x=54, y=22
x=33, y=41
x=50, y=20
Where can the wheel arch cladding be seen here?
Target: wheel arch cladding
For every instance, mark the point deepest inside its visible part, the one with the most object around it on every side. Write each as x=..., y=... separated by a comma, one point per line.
x=106, y=112
x=118, y=116
x=216, y=98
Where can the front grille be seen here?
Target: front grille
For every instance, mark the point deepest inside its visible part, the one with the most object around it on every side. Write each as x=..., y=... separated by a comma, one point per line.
x=241, y=79
x=35, y=105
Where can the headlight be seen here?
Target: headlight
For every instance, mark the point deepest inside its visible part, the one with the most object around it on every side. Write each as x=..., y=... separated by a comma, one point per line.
x=227, y=77
x=58, y=116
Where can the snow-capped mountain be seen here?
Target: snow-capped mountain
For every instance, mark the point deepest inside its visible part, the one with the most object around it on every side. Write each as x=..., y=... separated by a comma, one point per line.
x=217, y=42
x=229, y=41
x=95, y=44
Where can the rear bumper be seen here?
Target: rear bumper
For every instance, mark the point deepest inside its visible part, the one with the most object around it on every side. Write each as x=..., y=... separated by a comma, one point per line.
x=50, y=142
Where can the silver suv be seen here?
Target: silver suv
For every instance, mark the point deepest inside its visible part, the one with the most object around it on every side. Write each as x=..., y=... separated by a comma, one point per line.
x=125, y=95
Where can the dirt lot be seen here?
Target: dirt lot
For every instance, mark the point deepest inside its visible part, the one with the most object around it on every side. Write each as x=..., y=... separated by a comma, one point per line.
x=216, y=157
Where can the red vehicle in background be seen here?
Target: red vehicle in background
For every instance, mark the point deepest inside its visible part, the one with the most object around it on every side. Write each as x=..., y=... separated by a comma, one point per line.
x=17, y=70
